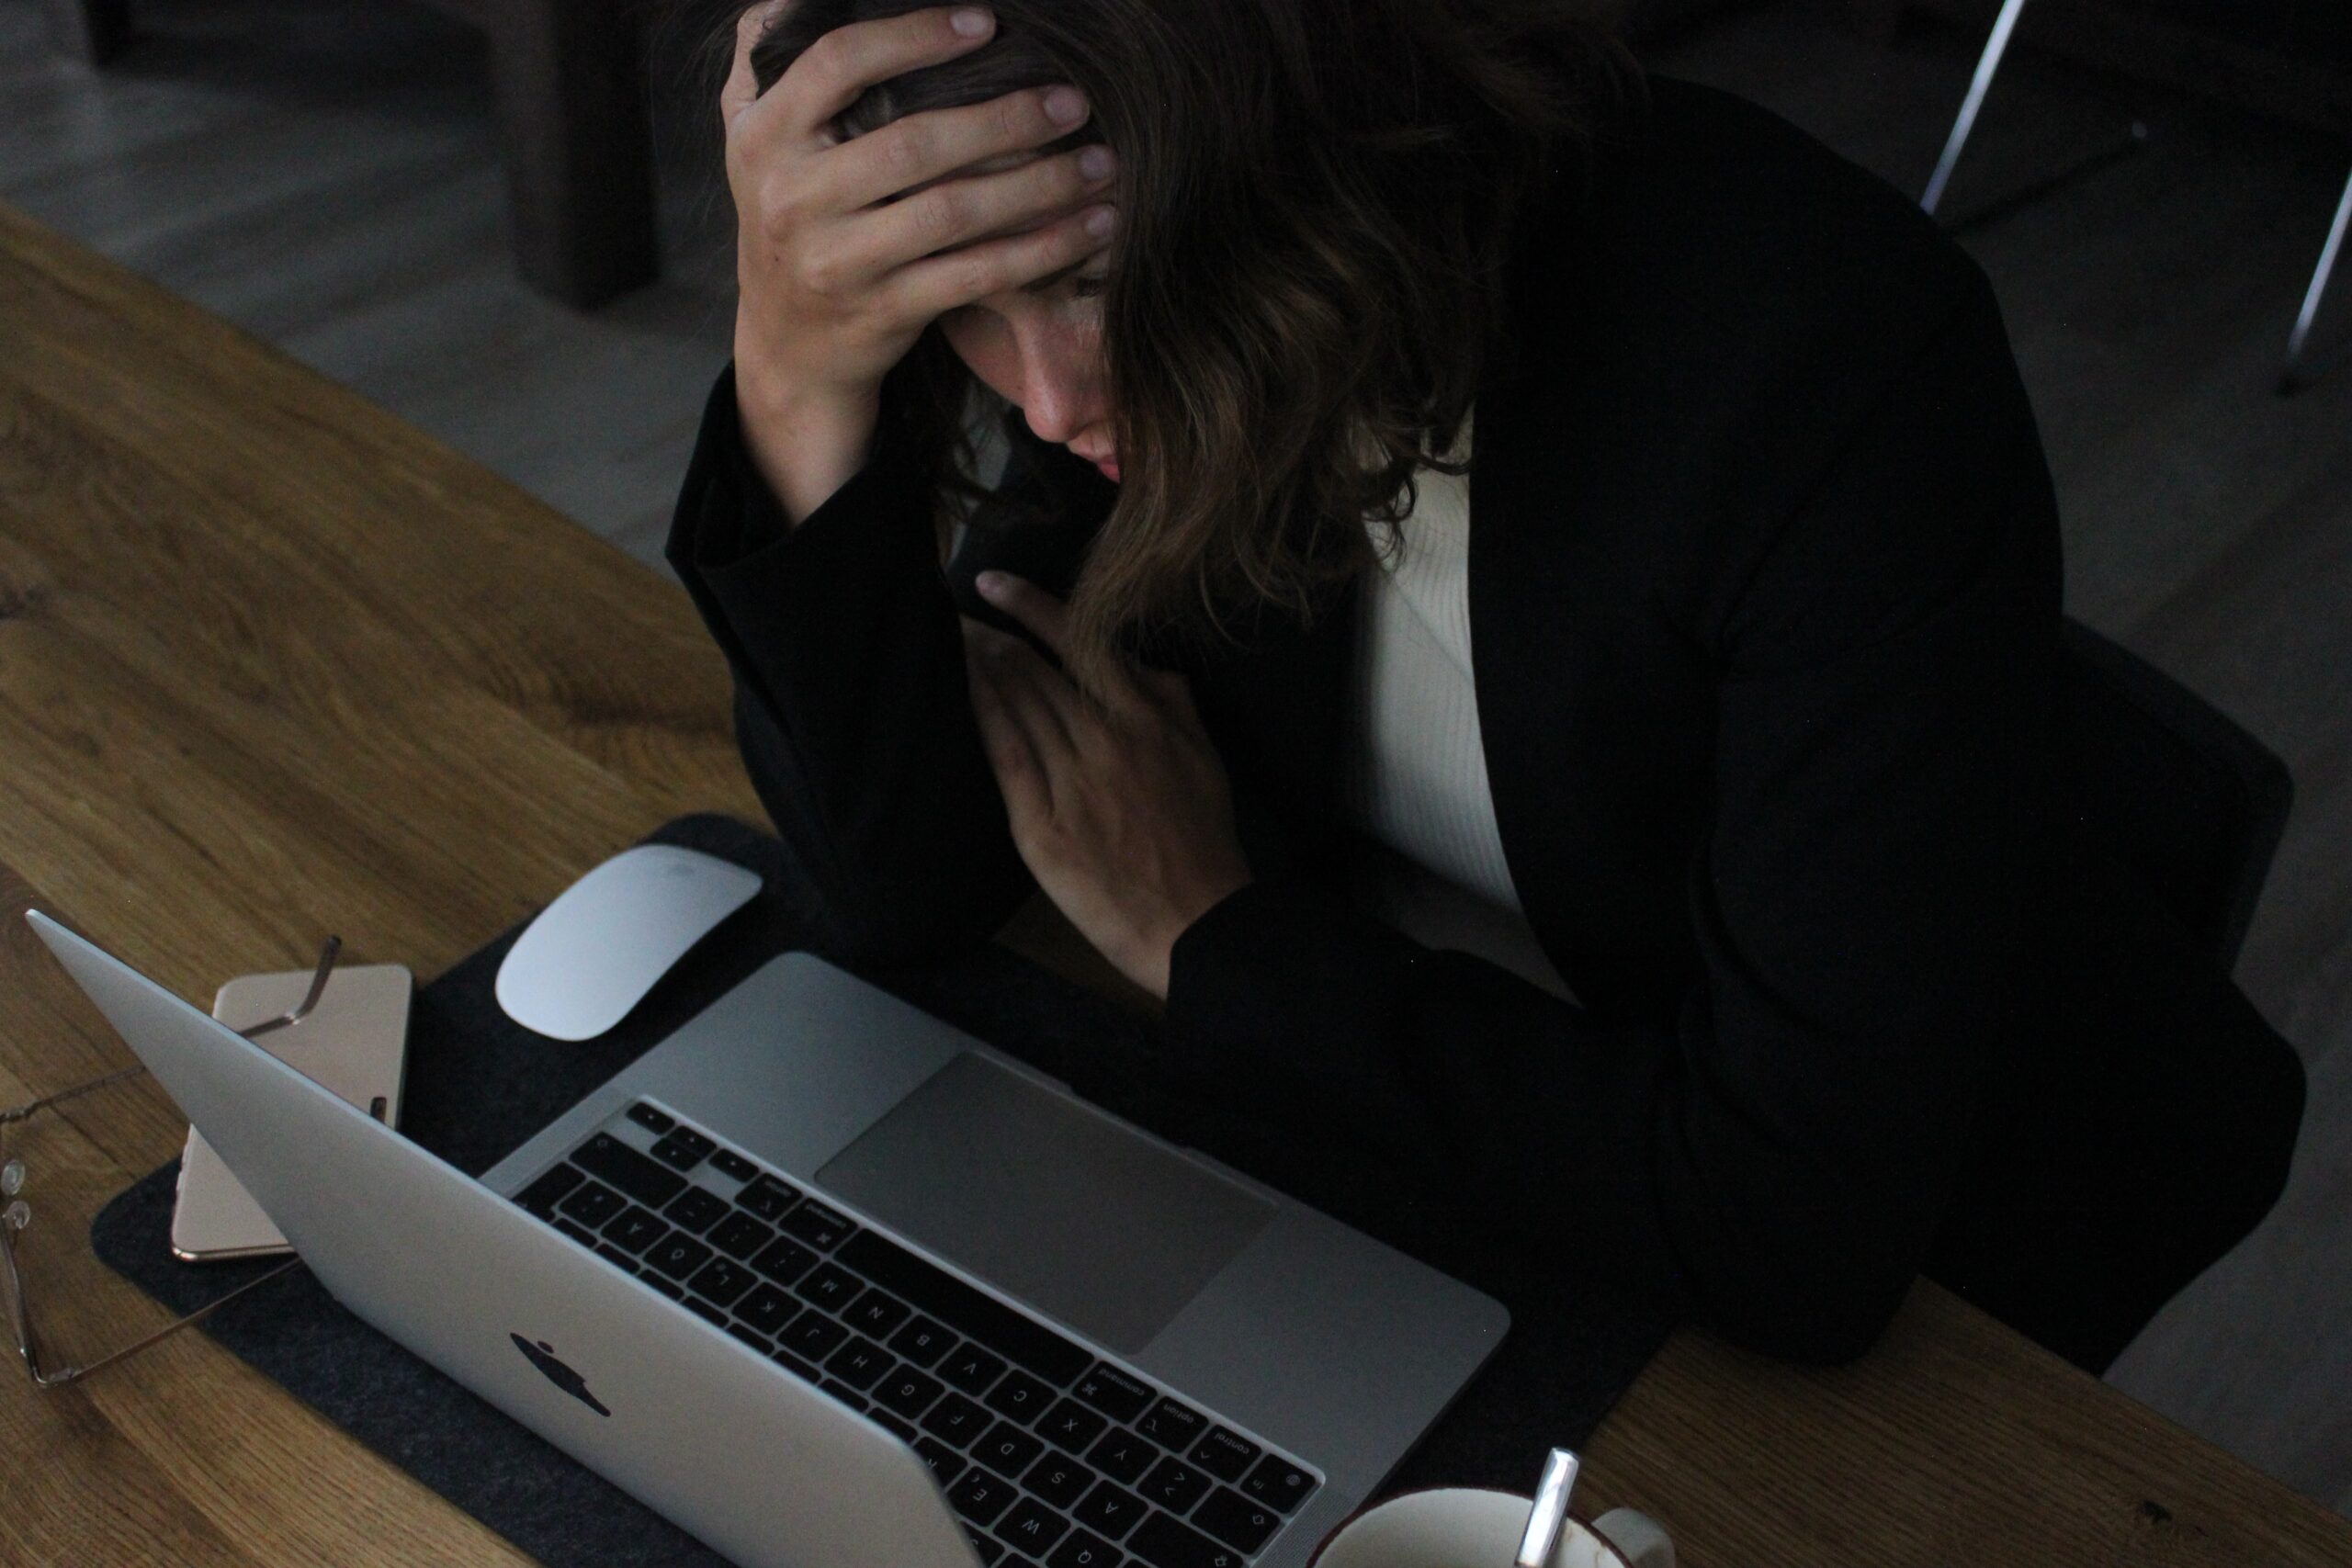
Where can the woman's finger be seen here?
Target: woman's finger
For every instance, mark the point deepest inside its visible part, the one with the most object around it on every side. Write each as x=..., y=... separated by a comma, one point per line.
x=1019, y=772
x=1040, y=697
x=742, y=88
x=1031, y=605
x=1048, y=616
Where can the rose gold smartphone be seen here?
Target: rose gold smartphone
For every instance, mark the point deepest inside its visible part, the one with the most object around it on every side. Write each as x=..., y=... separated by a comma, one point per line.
x=354, y=1043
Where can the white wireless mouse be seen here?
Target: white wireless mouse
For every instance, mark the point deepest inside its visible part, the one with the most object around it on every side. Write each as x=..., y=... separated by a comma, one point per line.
x=594, y=954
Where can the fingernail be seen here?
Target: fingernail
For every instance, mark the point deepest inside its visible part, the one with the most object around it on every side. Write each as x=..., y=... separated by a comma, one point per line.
x=992, y=584
x=1094, y=162
x=971, y=23
x=1100, y=221
x=1063, y=105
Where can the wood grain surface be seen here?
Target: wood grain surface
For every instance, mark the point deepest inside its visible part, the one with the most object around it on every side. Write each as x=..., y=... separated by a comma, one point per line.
x=273, y=664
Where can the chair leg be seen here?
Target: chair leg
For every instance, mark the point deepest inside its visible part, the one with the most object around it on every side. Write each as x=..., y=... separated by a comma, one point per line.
x=572, y=94
x=92, y=31
x=1995, y=46
x=2292, y=377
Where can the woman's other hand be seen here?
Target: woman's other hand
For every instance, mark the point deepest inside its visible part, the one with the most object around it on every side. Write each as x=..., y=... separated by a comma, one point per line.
x=1120, y=807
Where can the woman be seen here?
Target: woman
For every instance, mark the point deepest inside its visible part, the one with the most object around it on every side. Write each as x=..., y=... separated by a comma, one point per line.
x=1717, y=926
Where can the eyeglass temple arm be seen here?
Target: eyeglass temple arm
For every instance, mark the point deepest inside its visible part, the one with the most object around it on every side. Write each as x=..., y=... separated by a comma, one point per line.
x=318, y=985
x=47, y=1379
x=318, y=988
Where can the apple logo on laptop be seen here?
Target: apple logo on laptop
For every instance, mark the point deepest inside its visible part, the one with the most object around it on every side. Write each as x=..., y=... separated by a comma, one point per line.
x=542, y=1356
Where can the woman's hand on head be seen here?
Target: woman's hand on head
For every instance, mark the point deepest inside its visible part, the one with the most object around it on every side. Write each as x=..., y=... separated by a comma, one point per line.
x=1120, y=807
x=840, y=269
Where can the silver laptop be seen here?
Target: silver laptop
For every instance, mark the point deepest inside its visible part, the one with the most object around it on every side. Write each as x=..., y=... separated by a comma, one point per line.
x=832, y=1283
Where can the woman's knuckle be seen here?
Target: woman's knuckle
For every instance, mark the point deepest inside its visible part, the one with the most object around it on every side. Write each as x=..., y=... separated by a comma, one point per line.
x=941, y=214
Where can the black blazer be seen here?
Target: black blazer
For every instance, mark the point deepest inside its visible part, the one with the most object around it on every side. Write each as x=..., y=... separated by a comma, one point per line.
x=1764, y=605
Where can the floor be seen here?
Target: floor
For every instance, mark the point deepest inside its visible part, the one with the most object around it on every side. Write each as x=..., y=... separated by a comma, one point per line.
x=324, y=173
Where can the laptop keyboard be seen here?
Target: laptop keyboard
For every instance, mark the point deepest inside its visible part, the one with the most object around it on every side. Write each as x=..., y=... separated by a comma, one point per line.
x=1052, y=1457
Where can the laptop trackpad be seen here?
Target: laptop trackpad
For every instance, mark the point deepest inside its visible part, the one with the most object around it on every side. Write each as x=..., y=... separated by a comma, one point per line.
x=1048, y=1200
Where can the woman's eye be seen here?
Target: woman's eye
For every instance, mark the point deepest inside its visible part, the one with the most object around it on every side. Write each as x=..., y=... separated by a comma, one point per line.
x=1088, y=287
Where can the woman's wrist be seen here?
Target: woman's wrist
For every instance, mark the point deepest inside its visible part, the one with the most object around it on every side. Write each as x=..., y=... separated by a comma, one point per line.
x=1158, y=968
x=806, y=444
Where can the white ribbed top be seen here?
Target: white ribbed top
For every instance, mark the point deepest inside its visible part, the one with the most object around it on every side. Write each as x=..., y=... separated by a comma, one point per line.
x=1414, y=778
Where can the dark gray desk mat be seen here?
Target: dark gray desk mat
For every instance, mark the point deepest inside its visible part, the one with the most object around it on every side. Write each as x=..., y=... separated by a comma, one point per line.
x=479, y=1085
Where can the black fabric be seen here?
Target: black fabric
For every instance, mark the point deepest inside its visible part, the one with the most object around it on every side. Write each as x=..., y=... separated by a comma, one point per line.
x=479, y=1085
x=1765, y=598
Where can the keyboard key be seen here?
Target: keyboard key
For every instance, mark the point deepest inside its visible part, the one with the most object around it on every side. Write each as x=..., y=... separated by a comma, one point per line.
x=539, y=1198
x=1234, y=1520
x=617, y=1258
x=721, y=1282
x=1174, y=1486
x=738, y=1235
x=1115, y=1393
x=1173, y=1426
x=1279, y=1483
x=796, y=1366
x=1111, y=1508
x=1123, y=1455
x=1007, y=1450
x=678, y=1255
x=1083, y=1549
x=846, y=1394
x=704, y=1310
x=1020, y=1397
x=675, y=1292
x=734, y=1167
x=956, y=1421
x=759, y=1342
x=923, y=1341
x=876, y=1312
x=1225, y=1454
x=832, y=1287
x=1031, y=1526
x=766, y=1309
x=652, y=1120
x=592, y=1204
x=812, y=1335
x=907, y=1391
x=578, y=1233
x=1071, y=1427
x=861, y=1363
x=608, y=1159
x=784, y=1260
x=989, y=1547
x=821, y=1227
x=633, y=1230
x=944, y=1461
x=970, y=1368
x=980, y=1497
x=968, y=1311
x=767, y=1199
x=694, y=1209
x=685, y=1149
x=897, y=1425
x=1058, y=1479
x=1164, y=1543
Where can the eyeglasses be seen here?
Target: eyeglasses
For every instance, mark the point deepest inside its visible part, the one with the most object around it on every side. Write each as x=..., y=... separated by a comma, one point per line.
x=15, y=1181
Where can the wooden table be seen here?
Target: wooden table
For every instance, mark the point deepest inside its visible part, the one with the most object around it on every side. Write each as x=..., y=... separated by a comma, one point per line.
x=273, y=664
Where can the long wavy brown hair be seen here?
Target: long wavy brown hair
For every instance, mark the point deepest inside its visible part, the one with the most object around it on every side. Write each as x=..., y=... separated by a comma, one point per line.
x=1315, y=203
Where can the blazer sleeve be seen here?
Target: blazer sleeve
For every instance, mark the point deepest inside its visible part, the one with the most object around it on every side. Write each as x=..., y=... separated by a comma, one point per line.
x=851, y=708
x=1775, y=1162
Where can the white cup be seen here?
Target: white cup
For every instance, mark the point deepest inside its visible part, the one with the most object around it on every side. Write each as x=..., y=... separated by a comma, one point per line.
x=1463, y=1528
